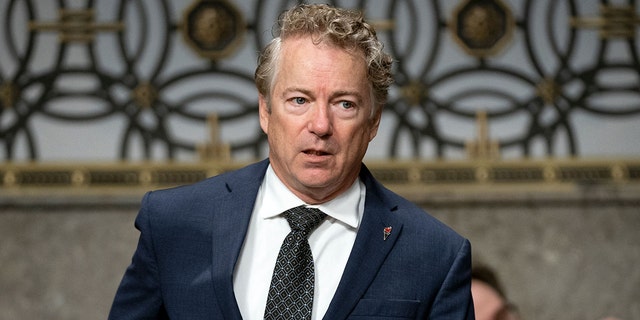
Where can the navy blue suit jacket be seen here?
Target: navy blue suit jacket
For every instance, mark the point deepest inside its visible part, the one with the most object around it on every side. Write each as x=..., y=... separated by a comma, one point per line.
x=191, y=236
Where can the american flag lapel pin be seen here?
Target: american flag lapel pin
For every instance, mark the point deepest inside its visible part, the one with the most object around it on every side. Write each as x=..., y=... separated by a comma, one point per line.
x=387, y=232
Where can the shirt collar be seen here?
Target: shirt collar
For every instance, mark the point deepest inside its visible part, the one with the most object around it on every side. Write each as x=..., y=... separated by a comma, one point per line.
x=344, y=208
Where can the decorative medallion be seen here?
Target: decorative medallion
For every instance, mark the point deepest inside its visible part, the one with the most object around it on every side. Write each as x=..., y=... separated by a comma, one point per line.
x=482, y=27
x=213, y=28
x=549, y=90
x=415, y=92
x=145, y=95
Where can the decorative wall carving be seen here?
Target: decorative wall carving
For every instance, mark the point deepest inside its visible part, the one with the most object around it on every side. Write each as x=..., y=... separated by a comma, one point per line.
x=157, y=69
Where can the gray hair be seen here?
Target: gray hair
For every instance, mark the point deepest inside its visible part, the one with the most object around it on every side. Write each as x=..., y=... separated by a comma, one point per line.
x=340, y=27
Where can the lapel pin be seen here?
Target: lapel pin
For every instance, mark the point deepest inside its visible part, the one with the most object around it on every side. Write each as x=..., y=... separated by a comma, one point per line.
x=387, y=232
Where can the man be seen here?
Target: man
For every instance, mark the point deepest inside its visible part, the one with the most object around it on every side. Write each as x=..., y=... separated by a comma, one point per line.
x=211, y=250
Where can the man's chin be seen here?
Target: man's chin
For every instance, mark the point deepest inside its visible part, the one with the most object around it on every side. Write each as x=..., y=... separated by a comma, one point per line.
x=318, y=181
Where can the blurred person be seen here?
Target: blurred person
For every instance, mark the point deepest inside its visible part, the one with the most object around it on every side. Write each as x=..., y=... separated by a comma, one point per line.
x=489, y=298
x=213, y=250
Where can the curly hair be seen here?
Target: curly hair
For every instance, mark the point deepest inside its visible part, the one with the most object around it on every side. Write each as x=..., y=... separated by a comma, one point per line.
x=340, y=27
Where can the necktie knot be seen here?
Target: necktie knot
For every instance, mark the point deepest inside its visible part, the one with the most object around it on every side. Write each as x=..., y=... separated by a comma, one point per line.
x=303, y=218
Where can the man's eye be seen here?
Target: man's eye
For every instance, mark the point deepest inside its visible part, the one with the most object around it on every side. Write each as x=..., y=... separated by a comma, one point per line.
x=346, y=104
x=299, y=100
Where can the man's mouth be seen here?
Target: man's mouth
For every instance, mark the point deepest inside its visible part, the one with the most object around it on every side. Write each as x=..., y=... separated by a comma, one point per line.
x=315, y=152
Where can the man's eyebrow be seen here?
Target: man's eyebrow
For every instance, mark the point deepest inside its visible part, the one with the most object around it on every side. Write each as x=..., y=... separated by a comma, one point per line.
x=296, y=89
x=341, y=93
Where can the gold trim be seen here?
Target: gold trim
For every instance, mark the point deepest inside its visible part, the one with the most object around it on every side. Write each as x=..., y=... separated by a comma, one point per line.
x=145, y=95
x=215, y=149
x=419, y=175
x=8, y=94
x=615, y=21
x=483, y=147
x=75, y=25
x=383, y=25
x=414, y=92
x=548, y=90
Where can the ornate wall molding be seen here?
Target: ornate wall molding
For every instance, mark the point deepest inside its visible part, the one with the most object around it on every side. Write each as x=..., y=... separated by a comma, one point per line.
x=453, y=182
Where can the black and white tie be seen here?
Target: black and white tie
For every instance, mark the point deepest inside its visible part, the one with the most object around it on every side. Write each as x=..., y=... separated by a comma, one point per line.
x=291, y=290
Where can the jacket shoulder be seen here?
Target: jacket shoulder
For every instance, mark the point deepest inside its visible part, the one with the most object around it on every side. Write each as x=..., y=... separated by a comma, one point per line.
x=209, y=189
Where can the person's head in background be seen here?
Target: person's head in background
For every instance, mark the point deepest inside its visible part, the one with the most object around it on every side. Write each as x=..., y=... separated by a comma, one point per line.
x=489, y=298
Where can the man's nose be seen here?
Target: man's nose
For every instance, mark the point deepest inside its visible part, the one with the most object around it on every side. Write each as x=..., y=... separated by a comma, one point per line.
x=320, y=122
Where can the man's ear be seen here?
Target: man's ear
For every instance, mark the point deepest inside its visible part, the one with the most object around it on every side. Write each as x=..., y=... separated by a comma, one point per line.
x=264, y=112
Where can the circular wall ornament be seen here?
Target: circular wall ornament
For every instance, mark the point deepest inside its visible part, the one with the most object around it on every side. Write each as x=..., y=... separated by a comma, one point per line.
x=213, y=28
x=482, y=27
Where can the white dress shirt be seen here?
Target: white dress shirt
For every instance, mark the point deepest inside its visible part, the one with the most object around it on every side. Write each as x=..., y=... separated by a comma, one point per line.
x=331, y=244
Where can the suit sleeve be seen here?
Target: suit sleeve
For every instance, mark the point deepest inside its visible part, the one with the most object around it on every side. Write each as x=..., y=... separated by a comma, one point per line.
x=454, y=299
x=139, y=295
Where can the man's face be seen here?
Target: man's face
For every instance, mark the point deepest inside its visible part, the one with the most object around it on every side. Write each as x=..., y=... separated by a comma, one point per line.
x=320, y=120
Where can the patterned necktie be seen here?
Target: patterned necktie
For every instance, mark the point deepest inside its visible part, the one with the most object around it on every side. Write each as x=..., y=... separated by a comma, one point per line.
x=291, y=290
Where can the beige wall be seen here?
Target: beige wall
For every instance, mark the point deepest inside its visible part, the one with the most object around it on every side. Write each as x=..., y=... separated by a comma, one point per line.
x=65, y=263
x=572, y=256
x=559, y=262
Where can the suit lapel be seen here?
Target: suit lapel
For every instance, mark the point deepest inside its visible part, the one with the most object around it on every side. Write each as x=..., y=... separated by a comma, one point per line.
x=232, y=211
x=369, y=250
